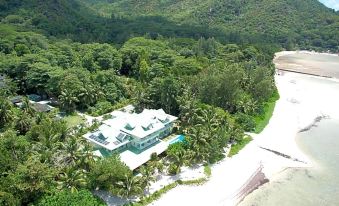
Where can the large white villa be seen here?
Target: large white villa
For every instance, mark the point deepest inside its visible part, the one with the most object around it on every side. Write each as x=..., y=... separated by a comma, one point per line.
x=134, y=136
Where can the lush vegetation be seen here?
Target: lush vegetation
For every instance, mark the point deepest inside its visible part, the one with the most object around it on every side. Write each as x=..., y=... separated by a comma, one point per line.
x=82, y=197
x=263, y=119
x=175, y=74
x=207, y=170
x=238, y=146
x=156, y=195
x=292, y=24
x=216, y=77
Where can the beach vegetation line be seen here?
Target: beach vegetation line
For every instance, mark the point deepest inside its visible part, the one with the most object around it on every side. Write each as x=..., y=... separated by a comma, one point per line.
x=156, y=195
x=262, y=120
x=235, y=148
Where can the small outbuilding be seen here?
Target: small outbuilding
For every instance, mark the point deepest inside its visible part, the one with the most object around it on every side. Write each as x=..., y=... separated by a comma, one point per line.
x=41, y=107
x=34, y=97
x=16, y=99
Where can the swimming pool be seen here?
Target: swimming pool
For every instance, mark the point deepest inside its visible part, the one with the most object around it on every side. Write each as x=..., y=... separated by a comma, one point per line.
x=179, y=138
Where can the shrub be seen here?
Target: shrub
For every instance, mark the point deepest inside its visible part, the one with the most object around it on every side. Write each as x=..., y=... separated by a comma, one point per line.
x=14, y=19
x=207, y=170
x=265, y=113
x=246, y=121
x=199, y=181
x=100, y=108
x=173, y=169
x=156, y=195
x=239, y=145
x=66, y=197
x=107, y=116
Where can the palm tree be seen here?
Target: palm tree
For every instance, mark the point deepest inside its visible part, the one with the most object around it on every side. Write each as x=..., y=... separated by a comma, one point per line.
x=130, y=186
x=6, y=113
x=87, y=157
x=23, y=124
x=47, y=144
x=27, y=106
x=39, y=117
x=179, y=158
x=89, y=95
x=85, y=97
x=187, y=106
x=46, y=154
x=72, y=179
x=199, y=139
x=209, y=119
x=62, y=129
x=246, y=104
x=147, y=173
x=68, y=101
x=155, y=162
x=71, y=151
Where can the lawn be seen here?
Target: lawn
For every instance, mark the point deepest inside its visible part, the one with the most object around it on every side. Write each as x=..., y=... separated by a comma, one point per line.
x=261, y=121
x=239, y=145
x=74, y=120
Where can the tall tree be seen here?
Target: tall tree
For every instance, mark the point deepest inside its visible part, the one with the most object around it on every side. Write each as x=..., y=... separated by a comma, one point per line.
x=68, y=101
x=71, y=151
x=6, y=113
x=147, y=173
x=130, y=186
x=72, y=179
x=23, y=123
x=31, y=179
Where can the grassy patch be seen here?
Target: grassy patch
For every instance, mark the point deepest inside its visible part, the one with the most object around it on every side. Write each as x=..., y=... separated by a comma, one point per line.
x=262, y=120
x=156, y=195
x=237, y=147
x=73, y=120
x=199, y=181
x=207, y=170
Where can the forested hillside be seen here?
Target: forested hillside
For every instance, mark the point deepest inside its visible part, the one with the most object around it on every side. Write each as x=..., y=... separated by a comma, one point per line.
x=289, y=22
x=206, y=62
x=64, y=18
x=292, y=24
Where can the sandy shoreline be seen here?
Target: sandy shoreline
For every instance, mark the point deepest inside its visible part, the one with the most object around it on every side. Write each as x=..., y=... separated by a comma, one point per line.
x=306, y=62
x=283, y=53
x=296, y=110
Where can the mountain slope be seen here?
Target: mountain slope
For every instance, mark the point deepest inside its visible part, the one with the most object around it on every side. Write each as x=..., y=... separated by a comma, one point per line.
x=307, y=22
x=66, y=18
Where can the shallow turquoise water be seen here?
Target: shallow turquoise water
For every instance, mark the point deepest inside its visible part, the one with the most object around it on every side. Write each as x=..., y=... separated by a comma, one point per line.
x=318, y=185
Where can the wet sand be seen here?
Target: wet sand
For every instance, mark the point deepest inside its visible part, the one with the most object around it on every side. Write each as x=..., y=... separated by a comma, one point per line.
x=305, y=62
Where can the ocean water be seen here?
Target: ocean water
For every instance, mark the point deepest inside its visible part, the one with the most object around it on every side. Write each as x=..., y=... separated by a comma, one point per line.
x=319, y=185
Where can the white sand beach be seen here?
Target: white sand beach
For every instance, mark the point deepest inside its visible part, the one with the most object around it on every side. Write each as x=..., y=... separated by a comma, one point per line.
x=303, y=98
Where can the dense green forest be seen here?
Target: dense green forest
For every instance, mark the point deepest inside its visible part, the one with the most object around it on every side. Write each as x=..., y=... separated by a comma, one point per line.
x=292, y=24
x=208, y=63
x=215, y=89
